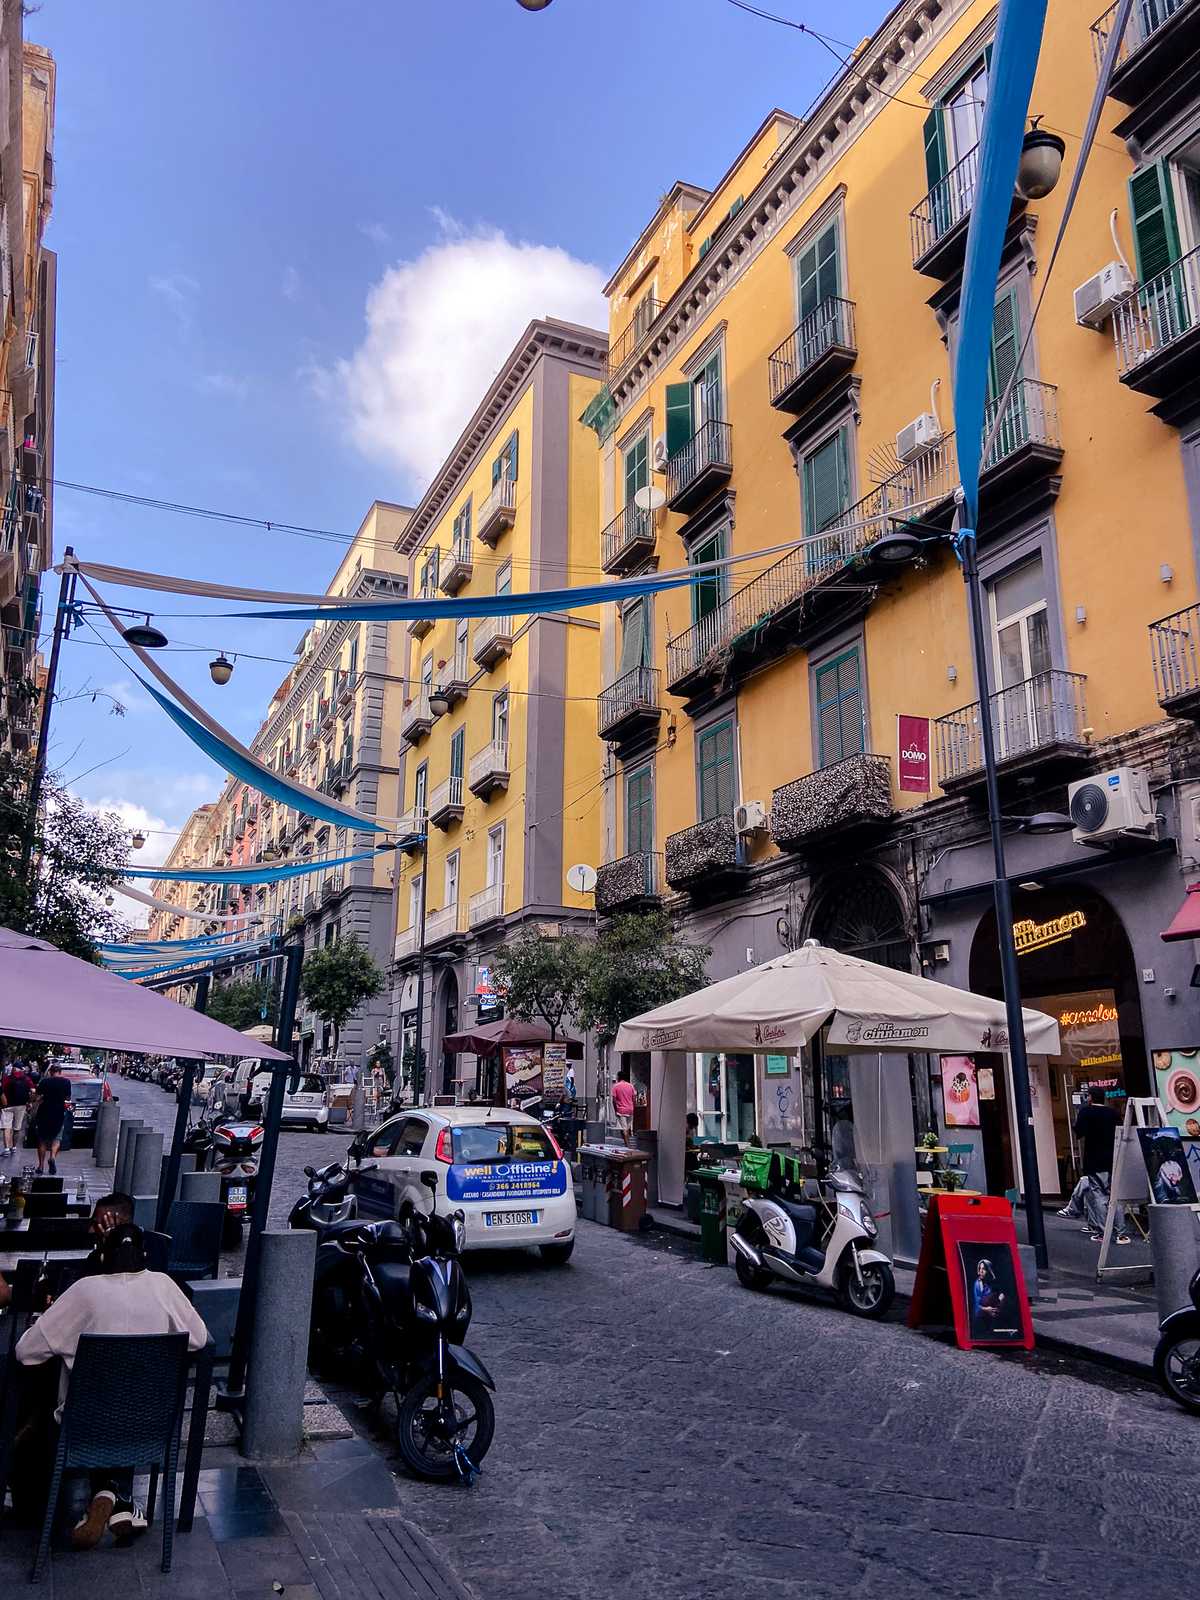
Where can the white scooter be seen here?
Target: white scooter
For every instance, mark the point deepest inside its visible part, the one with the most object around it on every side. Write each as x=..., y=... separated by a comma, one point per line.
x=815, y=1232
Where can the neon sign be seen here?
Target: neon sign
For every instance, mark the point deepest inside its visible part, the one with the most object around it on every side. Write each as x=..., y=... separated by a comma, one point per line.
x=1030, y=935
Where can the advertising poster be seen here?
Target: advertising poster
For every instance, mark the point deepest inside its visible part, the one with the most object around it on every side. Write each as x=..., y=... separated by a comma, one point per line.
x=506, y=1180
x=1177, y=1083
x=912, y=753
x=960, y=1092
x=985, y=1079
x=554, y=1070
x=522, y=1073
x=1167, y=1167
x=990, y=1285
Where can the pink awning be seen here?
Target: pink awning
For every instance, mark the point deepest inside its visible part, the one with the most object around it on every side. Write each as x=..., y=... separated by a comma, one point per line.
x=1186, y=922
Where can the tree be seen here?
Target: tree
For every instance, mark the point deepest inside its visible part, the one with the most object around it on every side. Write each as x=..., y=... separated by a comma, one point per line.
x=79, y=857
x=541, y=976
x=338, y=980
x=637, y=963
x=243, y=1003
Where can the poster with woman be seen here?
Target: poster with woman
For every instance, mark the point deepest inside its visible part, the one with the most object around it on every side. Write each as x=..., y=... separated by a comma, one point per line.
x=993, y=1309
x=960, y=1092
x=1177, y=1082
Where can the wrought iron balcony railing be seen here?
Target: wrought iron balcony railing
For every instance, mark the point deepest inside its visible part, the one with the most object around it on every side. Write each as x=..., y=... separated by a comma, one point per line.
x=498, y=511
x=947, y=204
x=489, y=768
x=628, y=538
x=628, y=342
x=708, y=453
x=1175, y=647
x=446, y=801
x=628, y=881
x=493, y=639
x=827, y=327
x=1038, y=714
x=457, y=566
x=1145, y=19
x=1157, y=314
x=633, y=696
x=708, y=850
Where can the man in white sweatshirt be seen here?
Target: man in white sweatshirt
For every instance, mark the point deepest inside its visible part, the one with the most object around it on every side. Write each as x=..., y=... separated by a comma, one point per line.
x=124, y=1298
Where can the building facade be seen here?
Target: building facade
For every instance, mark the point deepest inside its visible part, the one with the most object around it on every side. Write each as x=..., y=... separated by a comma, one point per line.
x=27, y=290
x=500, y=763
x=191, y=850
x=780, y=369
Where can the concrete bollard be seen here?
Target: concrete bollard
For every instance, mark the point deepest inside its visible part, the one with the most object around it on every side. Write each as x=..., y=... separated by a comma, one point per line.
x=1029, y=1270
x=145, y=1211
x=108, y=1127
x=187, y=1163
x=146, y=1166
x=358, y=1109
x=1175, y=1247
x=203, y=1186
x=125, y=1152
x=274, y=1416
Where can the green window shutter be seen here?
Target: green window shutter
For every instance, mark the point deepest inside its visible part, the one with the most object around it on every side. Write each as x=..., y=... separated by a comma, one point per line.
x=637, y=468
x=935, y=147
x=1155, y=231
x=511, y=452
x=633, y=637
x=837, y=690
x=679, y=416
x=714, y=757
x=817, y=272
x=496, y=468
x=1006, y=344
x=826, y=483
x=639, y=812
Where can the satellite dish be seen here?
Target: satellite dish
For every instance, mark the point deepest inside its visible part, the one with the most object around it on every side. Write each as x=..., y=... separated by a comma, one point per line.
x=650, y=498
x=581, y=878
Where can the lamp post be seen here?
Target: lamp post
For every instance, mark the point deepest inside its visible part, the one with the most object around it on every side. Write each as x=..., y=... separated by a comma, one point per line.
x=418, y=1065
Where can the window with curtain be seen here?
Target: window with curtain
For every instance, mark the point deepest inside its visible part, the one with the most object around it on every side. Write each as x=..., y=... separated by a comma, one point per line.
x=838, y=700
x=715, y=775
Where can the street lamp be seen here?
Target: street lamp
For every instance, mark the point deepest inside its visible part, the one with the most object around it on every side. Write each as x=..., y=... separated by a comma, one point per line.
x=533, y=5
x=220, y=670
x=145, y=634
x=894, y=551
x=138, y=840
x=439, y=702
x=1041, y=162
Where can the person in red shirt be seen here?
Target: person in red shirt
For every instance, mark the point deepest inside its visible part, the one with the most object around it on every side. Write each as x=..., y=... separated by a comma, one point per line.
x=623, y=1101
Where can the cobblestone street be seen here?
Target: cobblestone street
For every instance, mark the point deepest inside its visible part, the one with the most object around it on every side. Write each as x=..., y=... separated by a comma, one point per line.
x=663, y=1433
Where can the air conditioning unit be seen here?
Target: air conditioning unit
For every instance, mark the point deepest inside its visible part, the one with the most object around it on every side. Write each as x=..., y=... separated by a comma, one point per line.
x=921, y=432
x=1112, y=806
x=660, y=452
x=1096, y=299
x=750, y=817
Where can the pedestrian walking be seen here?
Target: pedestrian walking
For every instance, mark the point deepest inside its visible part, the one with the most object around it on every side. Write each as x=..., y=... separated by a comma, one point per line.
x=49, y=1114
x=624, y=1099
x=16, y=1091
x=1096, y=1130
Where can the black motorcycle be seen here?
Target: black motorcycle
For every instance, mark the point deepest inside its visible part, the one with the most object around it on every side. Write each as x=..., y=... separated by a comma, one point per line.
x=231, y=1147
x=391, y=1305
x=1177, y=1354
x=328, y=1198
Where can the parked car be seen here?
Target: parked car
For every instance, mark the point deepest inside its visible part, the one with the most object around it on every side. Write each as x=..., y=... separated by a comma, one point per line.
x=307, y=1106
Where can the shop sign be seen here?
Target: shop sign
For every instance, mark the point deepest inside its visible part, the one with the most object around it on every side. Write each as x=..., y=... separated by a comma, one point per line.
x=507, y=1180
x=777, y=1066
x=912, y=746
x=1029, y=935
x=522, y=1073
x=1088, y=1031
x=1177, y=1080
x=969, y=1269
x=554, y=1069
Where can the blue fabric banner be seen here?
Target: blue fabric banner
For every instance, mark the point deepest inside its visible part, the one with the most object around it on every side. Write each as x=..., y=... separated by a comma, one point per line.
x=290, y=869
x=1014, y=62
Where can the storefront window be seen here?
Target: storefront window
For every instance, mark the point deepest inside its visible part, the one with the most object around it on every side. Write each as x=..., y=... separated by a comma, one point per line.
x=724, y=1098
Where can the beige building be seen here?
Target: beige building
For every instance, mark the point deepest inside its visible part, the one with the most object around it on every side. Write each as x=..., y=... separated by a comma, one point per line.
x=191, y=849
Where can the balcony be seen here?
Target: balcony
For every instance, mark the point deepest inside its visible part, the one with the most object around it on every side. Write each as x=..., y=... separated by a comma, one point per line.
x=488, y=770
x=1156, y=330
x=819, y=350
x=333, y=886
x=444, y=924
x=493, y=640
x=346, y=688
x=410, y=829
x=938, y=226
x=420, y=626
x=849, y=796
x=486, y=906
x=498, y=512
x=629, y=706
x=457, y=565
x=627, y=541
x=706, y=858
x=1159, y=37
x=406, y=945
x=703, y=464
x=325, y=710
x=1027, y=443
x=310, y=905
x=629, y=883
x=446, y=802
x=450, y=681
x=416, y=718
x=627, y=343
x=1175, y=647
x=1036, y=722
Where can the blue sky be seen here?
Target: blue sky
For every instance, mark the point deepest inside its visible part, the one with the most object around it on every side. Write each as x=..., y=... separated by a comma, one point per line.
x=295, y=240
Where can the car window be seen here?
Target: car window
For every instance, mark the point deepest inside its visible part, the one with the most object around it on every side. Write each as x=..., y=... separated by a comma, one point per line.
x=385, y=1137
x=501, y=1141
x=86, y=1091
x=312, y=1084
x=412, y=1137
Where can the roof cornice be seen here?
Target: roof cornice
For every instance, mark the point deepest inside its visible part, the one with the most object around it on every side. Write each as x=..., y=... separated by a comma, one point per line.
x=543, y=336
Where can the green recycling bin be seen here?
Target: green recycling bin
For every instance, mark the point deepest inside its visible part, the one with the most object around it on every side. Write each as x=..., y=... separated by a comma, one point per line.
x=712, y=1215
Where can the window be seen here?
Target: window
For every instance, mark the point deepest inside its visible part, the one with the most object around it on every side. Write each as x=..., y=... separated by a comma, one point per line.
x=504, y=578
x=450, y=883
x=838, y=696
x=501, y=1141
x=462, y=649
x=411, y=1139
x=826, y=483
x=427, y=672
x=1021, y=624
x=500, y=719
x=963, y=110
x=414, y=901
x=715, y=770
x=457, y=751
x=724, y=1094
x=505, y=464
x=709, y=591
x=462, y=526
x=352, y=665
x=639, y=810
x=951, y=132
x=817, y=272
x=706, y=393
x=635, y=641
x=644, y=314
x=636, y=466
x=421, y=787
x=495, y=857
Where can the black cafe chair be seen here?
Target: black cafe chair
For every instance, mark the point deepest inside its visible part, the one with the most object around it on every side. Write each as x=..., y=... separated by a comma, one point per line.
x=124, y=1409
x=39, y=1206
x=195, y=1228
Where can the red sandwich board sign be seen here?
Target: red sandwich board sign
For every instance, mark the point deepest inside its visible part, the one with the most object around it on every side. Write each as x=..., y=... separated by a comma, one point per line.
x=970, y=1273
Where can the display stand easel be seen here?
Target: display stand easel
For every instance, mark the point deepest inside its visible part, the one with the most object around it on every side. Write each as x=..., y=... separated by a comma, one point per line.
x=1128, y=1182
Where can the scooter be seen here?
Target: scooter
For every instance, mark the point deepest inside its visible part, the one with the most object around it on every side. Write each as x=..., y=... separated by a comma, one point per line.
x=815, y=1232
x=231, y=1147
x=1177, y=1354
x=328, y=1199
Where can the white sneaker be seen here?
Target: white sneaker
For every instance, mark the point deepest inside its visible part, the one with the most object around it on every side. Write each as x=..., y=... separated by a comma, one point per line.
x=127, y=1522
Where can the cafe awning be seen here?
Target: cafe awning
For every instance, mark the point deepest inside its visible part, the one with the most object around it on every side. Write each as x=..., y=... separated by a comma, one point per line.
x=489, y=1037
x=1186, y=922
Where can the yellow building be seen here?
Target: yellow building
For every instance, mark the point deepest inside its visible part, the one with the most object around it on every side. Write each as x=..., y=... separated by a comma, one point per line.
x=499, y=732
x=192, y=849
x=781, y=371
x=27, y=299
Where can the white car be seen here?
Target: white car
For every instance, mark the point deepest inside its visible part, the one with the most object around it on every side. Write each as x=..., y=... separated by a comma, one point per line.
x=307, y=1106
x=500, y=1168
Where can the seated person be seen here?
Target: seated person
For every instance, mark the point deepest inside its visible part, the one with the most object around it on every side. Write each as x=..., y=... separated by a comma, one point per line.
x=691, y=1154
x=124, y=1298
x=109, y=1212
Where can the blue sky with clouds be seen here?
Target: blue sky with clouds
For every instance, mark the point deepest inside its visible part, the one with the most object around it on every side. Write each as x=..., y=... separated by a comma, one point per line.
x=295, y=241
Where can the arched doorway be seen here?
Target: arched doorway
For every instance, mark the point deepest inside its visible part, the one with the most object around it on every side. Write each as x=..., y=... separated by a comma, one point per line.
x=448, y=1015
x=858, y=912
x=1075, y=962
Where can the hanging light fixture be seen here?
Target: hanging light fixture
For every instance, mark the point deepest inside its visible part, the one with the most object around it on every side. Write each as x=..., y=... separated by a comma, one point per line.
x=1041, y=162
x=145, y=635
x=108, y=899
x=220, y=669
x=138, y=840
x=533, y=5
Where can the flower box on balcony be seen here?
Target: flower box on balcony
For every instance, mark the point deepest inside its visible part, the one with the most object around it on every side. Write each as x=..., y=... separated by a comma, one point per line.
x=853, y=793
x=629, y=882
x=706, y=856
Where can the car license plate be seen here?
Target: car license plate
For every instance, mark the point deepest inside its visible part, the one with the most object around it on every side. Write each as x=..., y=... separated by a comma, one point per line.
x=238, y=1194
x=509, y=1219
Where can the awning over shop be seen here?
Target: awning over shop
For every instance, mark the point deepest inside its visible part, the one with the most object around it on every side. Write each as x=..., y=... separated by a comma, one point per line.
x=1186, y=922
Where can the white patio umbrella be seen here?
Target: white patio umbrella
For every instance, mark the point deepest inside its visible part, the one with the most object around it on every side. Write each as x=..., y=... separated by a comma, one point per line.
x=781, y=1004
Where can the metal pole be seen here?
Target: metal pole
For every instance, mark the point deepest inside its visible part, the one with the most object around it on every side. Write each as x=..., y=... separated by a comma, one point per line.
x=1009, y=973
x=182, y=1110
x=66, y=594
x=418, y=1065
x=234, y=1390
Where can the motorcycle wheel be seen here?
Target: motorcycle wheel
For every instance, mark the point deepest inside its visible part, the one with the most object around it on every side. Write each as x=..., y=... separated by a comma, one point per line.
x=1177, y=1368
x=871, y=1297
x=748, y=1275
x=426, y=1445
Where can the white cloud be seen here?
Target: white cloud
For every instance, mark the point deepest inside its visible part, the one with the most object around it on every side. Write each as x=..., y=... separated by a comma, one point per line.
x=160, y=836
x=438, y=329
x=375, y=231
x=291, y=288
x=226, y=384
x=179, y=290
